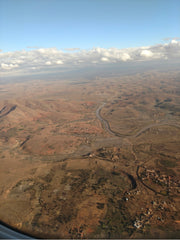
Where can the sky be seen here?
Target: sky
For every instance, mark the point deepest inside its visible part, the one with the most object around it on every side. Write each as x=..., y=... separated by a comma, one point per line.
x=87, y=23
x=47, y=33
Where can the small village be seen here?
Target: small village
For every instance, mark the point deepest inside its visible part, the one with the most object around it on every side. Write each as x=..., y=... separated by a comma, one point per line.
x=159, y=181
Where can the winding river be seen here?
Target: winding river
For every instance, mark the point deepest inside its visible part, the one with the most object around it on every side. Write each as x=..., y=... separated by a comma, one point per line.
x=104, y=122
x=107, y=127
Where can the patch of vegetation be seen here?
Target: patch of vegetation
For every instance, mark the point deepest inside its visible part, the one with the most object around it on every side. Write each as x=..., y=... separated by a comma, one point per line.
x=168, y=163
x=164, y=193
x=168, y=100
x=48, y=178
x=157, y=100
x=36, y=219
x=11, y=132
x=116, y=220
x=167, y=106
x=100, y=205
x=164, y=169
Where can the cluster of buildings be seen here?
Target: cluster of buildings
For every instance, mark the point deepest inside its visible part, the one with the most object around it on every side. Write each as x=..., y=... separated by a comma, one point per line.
x=167, y=181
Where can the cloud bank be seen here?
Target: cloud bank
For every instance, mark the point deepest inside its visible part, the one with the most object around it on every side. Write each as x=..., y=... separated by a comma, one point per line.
x=48, y=59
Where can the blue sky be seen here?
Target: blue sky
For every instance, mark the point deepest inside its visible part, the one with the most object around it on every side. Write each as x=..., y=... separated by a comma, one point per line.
x=87, y=23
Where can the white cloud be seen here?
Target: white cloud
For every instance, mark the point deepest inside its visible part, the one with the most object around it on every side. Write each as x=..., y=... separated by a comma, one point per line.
x=43, y=58
x=146, y=53
x=59, y=62
x=174, y=41
x=48, y=63
x=125, y=57
x=104, y=59
x=8, y=66
x=41, y=50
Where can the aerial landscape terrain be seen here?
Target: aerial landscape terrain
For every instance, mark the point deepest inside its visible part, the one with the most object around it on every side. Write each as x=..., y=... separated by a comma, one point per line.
x=92, y=158
x=90, y=119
